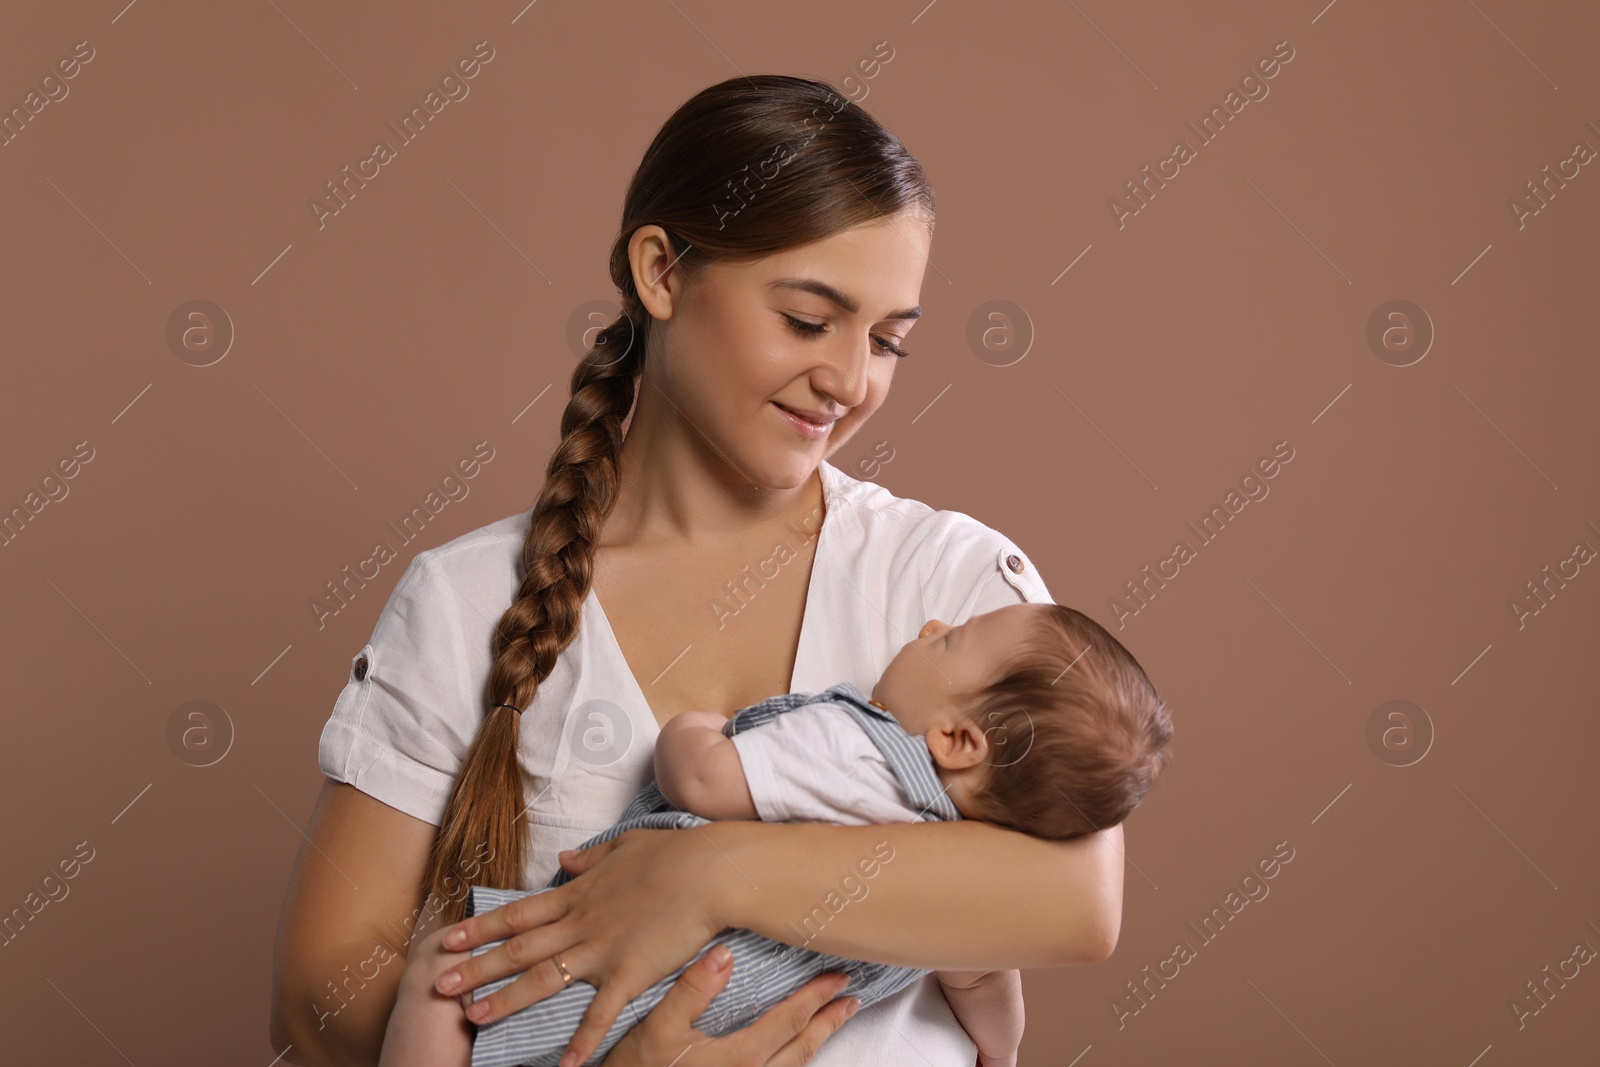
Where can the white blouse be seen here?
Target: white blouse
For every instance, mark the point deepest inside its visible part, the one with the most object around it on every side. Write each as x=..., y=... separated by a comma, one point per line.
x=883, y=566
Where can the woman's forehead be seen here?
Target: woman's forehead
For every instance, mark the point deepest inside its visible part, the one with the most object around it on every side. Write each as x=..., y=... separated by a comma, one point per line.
x=878, y=273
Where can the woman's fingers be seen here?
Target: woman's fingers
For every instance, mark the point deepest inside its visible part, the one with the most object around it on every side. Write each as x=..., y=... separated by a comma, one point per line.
x=696, y=988
x=610, y=998
x=536, y=982
x=792, y=1031
x=512, y=917
x=522, y=952
x=578, y=860
x=787, y=1035
x=666, y=1033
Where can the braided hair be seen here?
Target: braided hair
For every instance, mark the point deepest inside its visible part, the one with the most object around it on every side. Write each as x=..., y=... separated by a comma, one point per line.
x=750, y=166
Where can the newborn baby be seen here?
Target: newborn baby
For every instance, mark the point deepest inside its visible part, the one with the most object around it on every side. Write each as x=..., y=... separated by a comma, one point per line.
x=1031, y=717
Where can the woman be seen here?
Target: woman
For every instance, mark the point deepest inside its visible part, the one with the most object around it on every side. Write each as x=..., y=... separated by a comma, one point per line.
x=770, y=258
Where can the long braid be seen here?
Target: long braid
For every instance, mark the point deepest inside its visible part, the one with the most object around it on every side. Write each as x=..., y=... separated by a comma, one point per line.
x=705, y=181
x=486, y=806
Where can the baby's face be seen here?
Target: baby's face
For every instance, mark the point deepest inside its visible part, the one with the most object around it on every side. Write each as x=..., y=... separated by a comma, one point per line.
x=925, y=682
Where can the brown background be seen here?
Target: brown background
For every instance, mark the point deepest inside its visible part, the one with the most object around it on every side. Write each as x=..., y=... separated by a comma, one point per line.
x=1228, y=315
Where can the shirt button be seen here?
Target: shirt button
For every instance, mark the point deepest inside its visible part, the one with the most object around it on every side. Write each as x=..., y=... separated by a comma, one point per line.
x=1016, y=564
x=361, y=668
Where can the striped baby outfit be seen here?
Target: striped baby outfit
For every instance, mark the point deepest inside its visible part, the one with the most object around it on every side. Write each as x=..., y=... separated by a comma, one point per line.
x=764, y=971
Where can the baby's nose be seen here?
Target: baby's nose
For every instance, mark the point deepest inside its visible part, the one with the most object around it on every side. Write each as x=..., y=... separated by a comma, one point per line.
x=932, y=626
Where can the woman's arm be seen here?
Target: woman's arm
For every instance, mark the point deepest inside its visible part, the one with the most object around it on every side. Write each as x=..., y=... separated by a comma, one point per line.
x=642, y=903
x=961, y=894
x=1003, y=901
x=352, y=907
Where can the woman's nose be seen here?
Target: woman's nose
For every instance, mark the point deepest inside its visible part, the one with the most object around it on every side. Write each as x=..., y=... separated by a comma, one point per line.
x=846, y=375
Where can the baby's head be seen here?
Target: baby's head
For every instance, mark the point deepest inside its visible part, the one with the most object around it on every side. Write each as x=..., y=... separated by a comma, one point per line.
x=1036, y=717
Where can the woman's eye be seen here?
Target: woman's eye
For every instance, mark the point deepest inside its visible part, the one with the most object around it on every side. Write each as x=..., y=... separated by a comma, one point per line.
x=889, y=346
x=812, y=329
x=808, y=328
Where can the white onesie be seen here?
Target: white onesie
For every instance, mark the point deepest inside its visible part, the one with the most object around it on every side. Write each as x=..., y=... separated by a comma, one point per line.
x=816, y=764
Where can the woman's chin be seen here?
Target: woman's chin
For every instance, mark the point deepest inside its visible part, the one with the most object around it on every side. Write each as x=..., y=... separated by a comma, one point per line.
x=785, y=468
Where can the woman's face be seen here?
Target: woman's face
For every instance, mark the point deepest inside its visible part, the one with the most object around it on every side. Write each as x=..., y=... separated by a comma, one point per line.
x=745, y=350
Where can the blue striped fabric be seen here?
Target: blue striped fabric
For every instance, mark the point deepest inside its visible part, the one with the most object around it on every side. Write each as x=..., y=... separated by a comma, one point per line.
x=764, y=971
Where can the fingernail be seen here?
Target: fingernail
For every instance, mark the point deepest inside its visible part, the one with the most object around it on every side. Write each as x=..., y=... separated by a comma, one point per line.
x=568, y=1059
x=455, y=939
x=449, y=982
x=720, y=958
x=479, y=1011
x=851, y=1006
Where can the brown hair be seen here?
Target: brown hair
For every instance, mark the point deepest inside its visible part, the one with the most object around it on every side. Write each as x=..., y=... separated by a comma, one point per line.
x=744, y=168
x=1078, y=731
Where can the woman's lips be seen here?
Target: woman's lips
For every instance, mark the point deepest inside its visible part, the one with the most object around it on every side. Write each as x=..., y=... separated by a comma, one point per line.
x=807, y=428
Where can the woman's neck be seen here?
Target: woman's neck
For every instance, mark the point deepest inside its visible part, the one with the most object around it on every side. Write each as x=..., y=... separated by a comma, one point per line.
x=671, y=493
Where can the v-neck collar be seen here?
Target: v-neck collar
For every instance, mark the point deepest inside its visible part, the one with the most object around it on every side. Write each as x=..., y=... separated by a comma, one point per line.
x=832, y=496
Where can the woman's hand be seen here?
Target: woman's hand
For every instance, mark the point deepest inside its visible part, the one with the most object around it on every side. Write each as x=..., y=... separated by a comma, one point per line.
x=788, y=1035
x=637, y=911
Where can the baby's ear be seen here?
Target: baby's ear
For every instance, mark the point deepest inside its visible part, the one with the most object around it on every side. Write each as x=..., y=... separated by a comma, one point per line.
x=958, y=746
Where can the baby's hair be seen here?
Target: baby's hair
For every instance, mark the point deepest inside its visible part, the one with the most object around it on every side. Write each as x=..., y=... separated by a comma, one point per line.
x=1077, y=732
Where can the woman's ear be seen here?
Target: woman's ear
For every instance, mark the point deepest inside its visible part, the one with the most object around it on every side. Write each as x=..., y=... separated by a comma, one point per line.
x=651, y=255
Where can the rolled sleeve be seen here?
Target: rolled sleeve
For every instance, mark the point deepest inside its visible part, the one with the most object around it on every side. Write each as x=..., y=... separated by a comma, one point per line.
x=978, y=569
x=406, y=717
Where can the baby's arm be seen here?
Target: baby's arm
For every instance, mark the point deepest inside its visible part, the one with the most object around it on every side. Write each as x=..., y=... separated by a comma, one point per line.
x=988, y=1004
x=427, y=1028
x=698, y=769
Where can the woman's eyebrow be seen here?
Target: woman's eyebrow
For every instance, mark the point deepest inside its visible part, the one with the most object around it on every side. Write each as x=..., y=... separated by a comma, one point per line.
x=828, y=292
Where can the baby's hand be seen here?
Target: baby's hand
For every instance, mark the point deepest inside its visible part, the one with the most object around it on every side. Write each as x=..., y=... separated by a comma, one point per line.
x=424, y=1030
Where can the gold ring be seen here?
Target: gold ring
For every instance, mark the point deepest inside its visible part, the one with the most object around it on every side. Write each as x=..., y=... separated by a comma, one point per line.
x=566, y=976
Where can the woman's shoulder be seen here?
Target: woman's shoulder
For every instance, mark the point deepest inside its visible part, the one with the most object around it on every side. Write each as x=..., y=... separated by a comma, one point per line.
x=481, y=564
x=413, y=701
x=485, y=545
x=935, y=543
x=905, y=521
